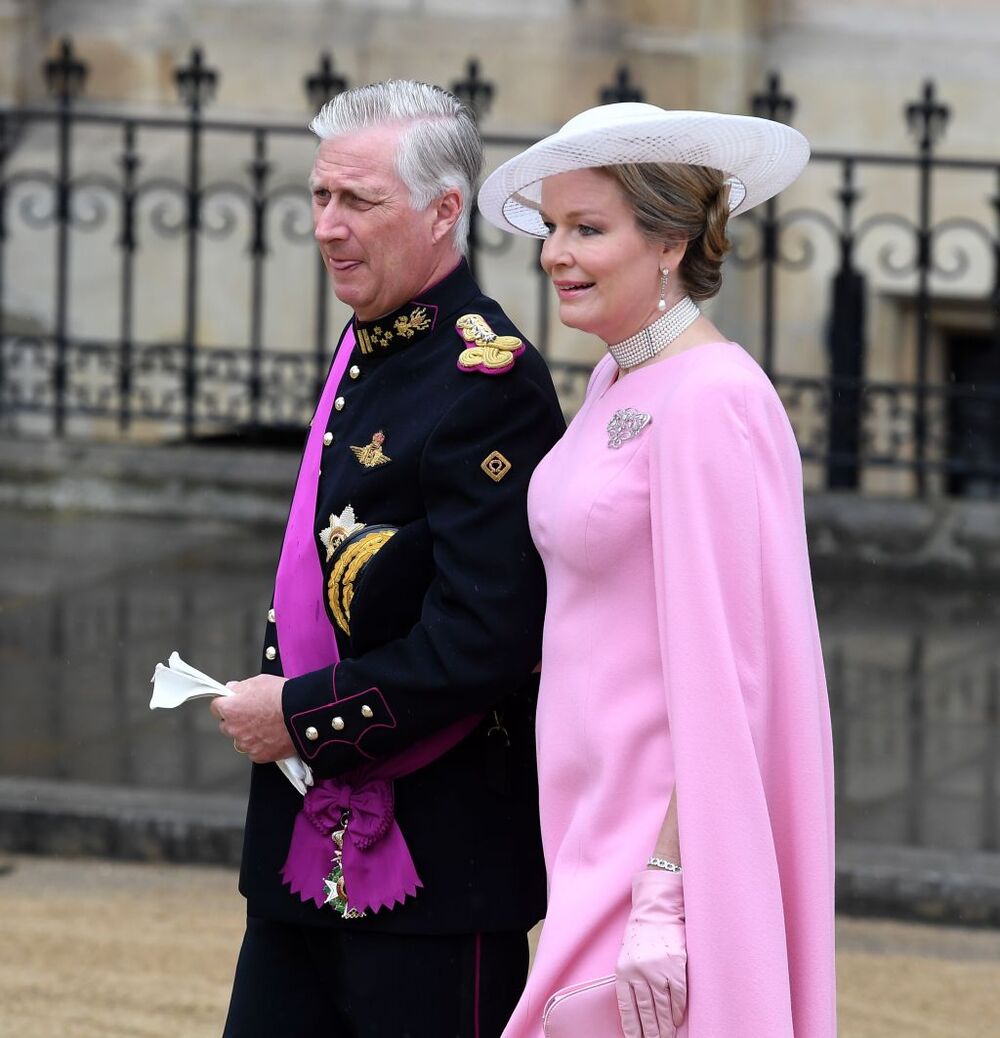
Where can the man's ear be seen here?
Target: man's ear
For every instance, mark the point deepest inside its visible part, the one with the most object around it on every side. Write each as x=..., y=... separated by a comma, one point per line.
x=445, y=211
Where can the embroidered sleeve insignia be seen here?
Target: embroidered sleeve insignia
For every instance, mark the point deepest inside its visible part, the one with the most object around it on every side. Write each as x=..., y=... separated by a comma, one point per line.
x=350, y=561
x=487, y=352
x=371, y=455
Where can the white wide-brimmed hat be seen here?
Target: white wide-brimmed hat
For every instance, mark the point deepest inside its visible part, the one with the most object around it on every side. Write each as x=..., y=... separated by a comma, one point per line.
x=759, y=157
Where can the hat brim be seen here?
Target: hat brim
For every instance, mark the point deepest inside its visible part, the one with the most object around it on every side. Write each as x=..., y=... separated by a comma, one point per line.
x=759, y=157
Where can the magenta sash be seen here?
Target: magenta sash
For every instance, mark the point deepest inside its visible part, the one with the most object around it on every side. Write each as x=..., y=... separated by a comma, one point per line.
x=377, y=866
x=305, y=634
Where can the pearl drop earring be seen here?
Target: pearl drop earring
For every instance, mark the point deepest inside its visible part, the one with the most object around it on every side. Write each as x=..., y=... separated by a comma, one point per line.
x=662, y=304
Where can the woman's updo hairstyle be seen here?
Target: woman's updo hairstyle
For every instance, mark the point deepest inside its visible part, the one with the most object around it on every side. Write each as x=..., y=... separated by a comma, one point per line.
x=672, y=203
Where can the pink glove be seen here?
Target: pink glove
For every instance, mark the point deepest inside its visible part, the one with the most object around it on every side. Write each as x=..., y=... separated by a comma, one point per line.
x=651, y=975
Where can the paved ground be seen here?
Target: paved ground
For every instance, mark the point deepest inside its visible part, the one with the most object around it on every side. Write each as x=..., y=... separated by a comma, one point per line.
x=106, y=950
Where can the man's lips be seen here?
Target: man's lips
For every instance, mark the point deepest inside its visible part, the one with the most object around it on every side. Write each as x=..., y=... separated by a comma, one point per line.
x=342, y=265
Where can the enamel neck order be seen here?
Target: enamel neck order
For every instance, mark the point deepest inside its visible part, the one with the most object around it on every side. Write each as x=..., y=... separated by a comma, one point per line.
x=655, y=337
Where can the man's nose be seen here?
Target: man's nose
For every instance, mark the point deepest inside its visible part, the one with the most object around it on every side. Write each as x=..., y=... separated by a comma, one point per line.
x=330, y=224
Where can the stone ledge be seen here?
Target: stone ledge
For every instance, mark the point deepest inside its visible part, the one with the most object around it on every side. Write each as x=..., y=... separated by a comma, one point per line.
x=226, y=466
x=165, y=481
x=947, y=538
x=919, y=883
x=943, y=537
x=45, y=816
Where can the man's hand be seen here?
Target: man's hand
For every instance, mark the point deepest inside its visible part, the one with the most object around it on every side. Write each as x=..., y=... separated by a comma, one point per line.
x=252, y=718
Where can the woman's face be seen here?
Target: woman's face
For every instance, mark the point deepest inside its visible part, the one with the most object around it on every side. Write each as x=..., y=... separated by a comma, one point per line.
x=606, y=274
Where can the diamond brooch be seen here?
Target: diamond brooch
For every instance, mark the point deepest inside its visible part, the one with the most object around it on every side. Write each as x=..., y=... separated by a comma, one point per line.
x=626, y=424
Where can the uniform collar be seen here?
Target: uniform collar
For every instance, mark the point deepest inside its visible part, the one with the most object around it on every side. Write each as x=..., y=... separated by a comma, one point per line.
x=417, y=318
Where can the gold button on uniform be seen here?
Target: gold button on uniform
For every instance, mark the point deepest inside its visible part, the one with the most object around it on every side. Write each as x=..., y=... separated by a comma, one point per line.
x=270, y=616
x=311, y=734
x=355, y=371
x=366, y=711
x=327, y=439
x=270, y=652
x=338, y=724
x=338, y=404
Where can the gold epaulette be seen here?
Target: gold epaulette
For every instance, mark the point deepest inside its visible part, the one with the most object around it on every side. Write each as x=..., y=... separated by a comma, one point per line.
x=487, y=352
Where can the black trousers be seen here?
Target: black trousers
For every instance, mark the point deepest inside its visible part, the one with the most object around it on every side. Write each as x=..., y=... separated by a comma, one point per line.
x=311, y=982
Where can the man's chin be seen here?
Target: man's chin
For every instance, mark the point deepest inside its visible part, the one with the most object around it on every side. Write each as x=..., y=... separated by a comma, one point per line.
x=349, y=294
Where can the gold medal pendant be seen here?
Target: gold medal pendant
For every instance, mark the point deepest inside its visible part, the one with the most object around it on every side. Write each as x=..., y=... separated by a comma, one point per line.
x=333, y=884
x=371, y=455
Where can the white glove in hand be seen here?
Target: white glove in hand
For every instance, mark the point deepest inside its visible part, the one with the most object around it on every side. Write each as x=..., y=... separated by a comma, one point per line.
x=651, y=975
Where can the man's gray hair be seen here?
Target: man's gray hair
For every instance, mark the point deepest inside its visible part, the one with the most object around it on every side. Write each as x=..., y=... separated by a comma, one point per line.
x=439, y=149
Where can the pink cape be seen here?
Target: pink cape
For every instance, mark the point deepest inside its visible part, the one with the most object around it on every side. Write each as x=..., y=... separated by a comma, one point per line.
x=681, y=646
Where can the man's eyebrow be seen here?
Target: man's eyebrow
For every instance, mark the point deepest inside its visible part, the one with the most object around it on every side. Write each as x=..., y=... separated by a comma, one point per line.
x=373, y=191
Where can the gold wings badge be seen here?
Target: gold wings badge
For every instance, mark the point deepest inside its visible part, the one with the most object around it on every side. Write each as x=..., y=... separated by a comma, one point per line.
x=371, y=455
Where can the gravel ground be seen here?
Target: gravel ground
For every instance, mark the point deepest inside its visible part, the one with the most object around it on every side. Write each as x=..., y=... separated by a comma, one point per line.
x=106, y=950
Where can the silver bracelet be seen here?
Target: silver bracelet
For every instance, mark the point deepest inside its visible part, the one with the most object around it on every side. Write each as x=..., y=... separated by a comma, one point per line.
x=662, y=863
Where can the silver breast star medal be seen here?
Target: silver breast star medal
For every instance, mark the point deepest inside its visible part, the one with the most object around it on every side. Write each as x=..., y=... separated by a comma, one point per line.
x=626, y=424
x=341, y=527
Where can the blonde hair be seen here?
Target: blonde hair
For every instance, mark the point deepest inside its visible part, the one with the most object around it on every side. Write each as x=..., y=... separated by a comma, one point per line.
x=675, y=202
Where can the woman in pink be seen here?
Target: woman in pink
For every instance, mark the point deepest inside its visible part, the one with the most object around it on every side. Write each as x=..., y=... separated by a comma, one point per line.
x=684, y=751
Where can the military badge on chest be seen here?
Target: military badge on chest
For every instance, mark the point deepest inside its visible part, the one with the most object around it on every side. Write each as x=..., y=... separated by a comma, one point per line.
x=371, y=454
x=339, y=529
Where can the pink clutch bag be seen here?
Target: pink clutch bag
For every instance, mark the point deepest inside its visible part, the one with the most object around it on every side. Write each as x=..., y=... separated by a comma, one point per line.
x=587, y=1010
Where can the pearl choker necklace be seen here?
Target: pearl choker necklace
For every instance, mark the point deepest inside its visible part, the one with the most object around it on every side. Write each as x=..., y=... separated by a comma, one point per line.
x=657, y=336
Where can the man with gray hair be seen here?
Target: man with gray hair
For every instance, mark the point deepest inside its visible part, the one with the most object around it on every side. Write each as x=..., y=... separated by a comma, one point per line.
x=394, y=898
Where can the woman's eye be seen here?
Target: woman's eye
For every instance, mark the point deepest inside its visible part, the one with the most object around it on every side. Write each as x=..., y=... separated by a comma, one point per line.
x=549, y=227
x=586, y=230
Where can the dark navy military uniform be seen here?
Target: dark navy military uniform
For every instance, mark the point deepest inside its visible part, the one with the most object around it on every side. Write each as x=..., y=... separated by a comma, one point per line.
x=447, y=624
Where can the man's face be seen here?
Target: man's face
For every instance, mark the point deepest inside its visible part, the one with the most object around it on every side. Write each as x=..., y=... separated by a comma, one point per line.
x=378, y=251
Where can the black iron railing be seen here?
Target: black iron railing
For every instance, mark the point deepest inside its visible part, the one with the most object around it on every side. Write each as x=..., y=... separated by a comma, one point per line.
x=158, y=279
